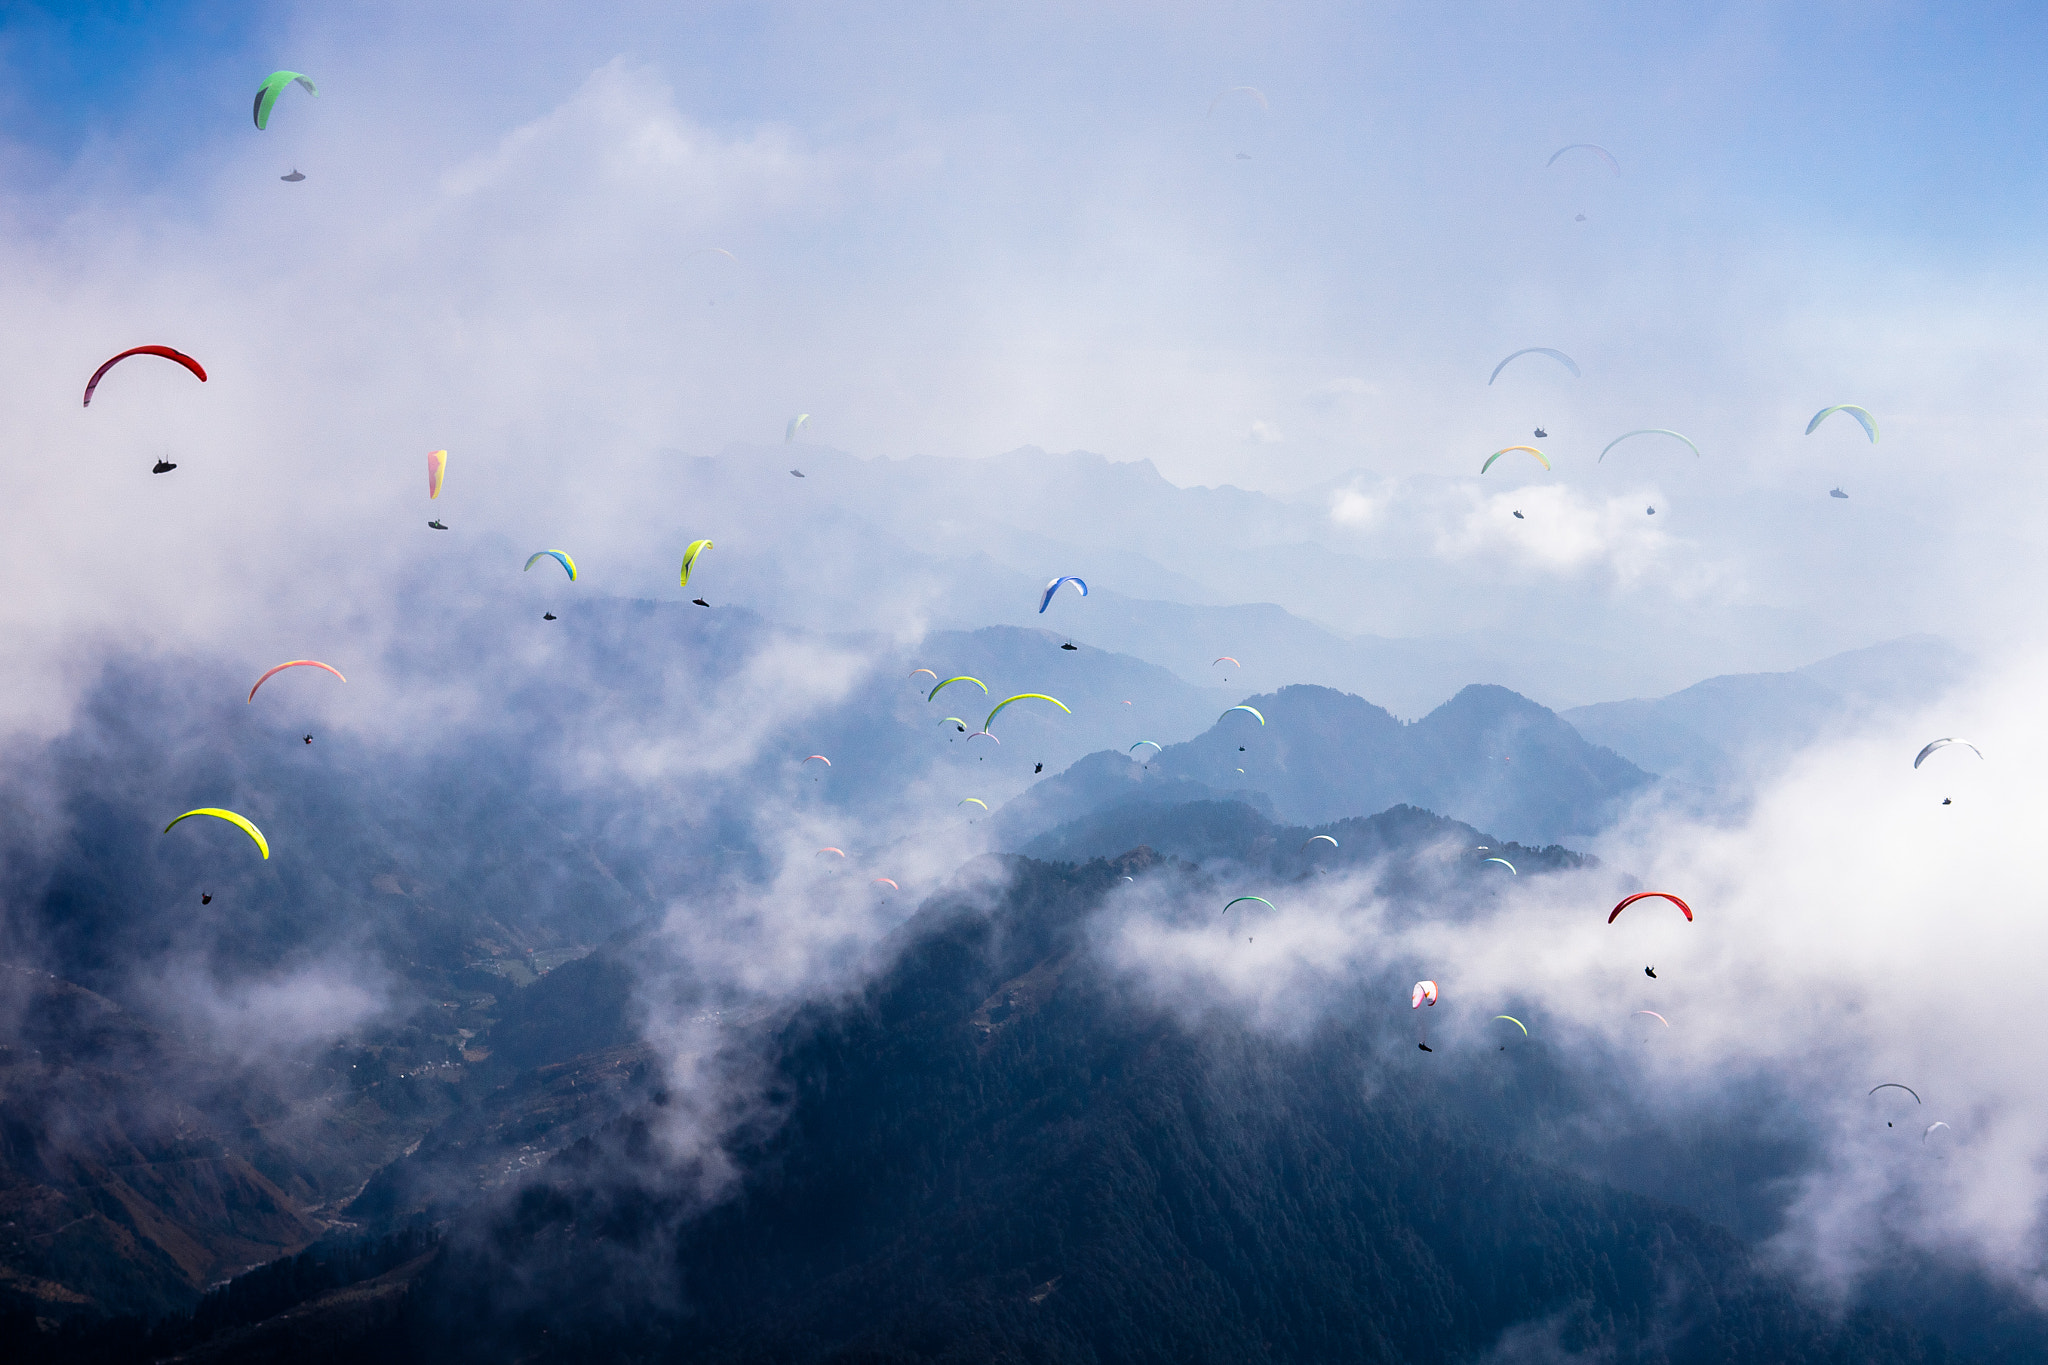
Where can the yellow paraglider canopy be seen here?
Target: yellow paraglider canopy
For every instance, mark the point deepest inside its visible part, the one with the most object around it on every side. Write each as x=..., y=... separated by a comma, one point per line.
x=217, y=813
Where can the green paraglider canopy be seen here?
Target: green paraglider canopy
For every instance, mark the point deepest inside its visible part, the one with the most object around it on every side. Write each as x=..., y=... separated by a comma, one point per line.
x=273, y=86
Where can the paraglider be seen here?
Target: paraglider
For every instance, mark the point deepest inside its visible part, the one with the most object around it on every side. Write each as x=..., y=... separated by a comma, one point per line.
x=796, y=473
x=1512, y=1020
x=1838, y=493
x=699, y=602
x=1650, y=972
x=1505, y=449
x=1075, y=648
x=690, y=553
x=1038, y=768
x=1862, y=416
x=198, y=370
x=1260, y=899
x=273, y=86
x=1649, y=511
x=1921, y=757
x=1054, y=587
x=206, y=898
x=950, y=681
x=1627, y=901
x=1519, y=517
x=293, y=663
x=1559, y=356
x=1596, y=150
x=1021, y=696
x=1319, y=838
x=956, y=722
x=1241, y=707
x=437, y=468
x=568, y=564
x=820, y=757
x=1504, y=863
x=973, y=801
x=1648, y=431
x=292, y=179
x=548, y=616
x=1541, y=435
x=436, y=526
x=238, y=821
x=162, y=467
x=796, y=424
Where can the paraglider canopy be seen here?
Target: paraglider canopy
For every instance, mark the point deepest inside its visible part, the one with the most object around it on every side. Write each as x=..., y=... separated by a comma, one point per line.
x=1648, y=431
x=166, y=352
x=1505, y=449
x=1559, y=356
x=950, y=681
x=1153, y=742
x=1251, y=90
x=1921, y=757
x=1054, y=587
x=820, y=757
x=437, y=467
x=273, y=86
x=1320, y=838
x=690, y=553
x=1512, y=1020
x=1894, y=1085
x=1654, y=1015
x=1862, y=416
x=1504, y=863
x=293, y=663
x=885, y=881
x=1241, y=707
x=1224, y=659
x=568, y=564
x=973, y=801
x=796, y=424
x=1242, y=899
x=1595, y=149
x=829, y=849
x=238, y=821
x=1022, y=696
x=1423, y=994
x=1627, y=901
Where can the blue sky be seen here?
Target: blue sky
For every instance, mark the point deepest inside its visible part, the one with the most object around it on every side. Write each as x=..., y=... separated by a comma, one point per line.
x=1920, y=123
x=961, y=231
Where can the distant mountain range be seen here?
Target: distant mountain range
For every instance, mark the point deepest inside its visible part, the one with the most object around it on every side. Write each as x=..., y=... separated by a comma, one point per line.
x=1488, y=757
x=1732, y=730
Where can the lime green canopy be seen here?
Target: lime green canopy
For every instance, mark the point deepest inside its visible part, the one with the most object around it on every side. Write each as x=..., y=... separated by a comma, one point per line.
x=273, y=86
x=696, y=547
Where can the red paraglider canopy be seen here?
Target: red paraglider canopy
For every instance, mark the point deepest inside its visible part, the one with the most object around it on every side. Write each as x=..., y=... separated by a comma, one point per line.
x=166, y=352
x=1627, y=901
